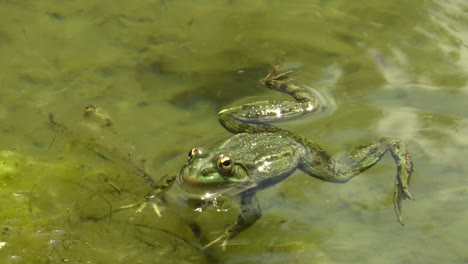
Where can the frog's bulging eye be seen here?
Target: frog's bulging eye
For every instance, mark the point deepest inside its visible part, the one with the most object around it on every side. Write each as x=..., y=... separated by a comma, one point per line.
x=192, y=153
x=225, y=164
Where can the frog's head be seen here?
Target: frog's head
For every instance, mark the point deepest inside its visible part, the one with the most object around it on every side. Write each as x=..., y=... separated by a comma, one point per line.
x=212, y=173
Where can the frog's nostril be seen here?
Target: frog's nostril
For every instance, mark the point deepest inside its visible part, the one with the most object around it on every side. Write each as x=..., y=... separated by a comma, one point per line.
x=204, y=172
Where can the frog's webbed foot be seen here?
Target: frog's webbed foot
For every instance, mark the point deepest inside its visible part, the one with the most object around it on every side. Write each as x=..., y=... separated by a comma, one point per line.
x=152, y=199
x=152, y=202
x=405, y=169
x=141, y=207
x=401, y=193
x=343, y=167
x=276, y=76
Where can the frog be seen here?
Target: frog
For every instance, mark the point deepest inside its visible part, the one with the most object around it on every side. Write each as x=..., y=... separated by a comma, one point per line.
x=260, y=154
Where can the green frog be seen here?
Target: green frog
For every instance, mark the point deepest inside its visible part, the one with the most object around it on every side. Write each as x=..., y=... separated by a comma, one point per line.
x=261, y=155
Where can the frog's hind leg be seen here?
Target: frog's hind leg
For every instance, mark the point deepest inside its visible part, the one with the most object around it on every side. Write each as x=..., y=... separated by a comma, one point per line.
x=343, y=167
x=257, y=116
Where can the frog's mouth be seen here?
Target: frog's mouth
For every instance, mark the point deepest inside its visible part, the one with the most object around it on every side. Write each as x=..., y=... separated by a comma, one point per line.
x=192, y=187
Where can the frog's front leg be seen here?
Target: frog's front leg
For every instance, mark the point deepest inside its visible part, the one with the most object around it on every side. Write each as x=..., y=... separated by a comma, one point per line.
x=343, y=167
x=156, y=196
x=250, y=213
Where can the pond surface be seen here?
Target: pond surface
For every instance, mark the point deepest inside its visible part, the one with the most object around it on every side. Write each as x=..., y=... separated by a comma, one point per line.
x=159, y=71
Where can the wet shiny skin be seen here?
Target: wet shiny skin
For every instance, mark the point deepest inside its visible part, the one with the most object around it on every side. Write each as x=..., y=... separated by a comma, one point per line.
x=260, y=155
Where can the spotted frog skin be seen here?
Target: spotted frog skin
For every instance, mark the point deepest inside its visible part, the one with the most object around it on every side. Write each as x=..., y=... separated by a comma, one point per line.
x=260, y=155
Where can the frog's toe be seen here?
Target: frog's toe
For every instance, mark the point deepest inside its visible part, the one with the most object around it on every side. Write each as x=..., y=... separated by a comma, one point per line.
x=123, y=207
x=141, y=207
x=407, y=194
x=222, y=238
x=401, y=193
x=156, y=209
x=154, y=206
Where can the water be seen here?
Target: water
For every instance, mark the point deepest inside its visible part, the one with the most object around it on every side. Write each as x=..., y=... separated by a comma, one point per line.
x=162, y=69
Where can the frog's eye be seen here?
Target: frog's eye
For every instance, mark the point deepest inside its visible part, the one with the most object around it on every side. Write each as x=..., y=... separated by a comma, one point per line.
x=225, y=164
x=192, y=153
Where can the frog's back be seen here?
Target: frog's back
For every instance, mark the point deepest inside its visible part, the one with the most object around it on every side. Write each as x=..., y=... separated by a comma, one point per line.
x=268, y=157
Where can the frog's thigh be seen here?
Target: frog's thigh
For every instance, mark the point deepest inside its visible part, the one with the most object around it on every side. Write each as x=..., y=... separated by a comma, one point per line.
x=344, y=166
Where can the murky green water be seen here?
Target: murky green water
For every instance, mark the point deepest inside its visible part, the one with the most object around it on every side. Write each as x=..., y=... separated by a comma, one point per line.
x=162, y=70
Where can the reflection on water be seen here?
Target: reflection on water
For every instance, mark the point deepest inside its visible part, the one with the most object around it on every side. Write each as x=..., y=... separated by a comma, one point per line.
x=162, y=70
